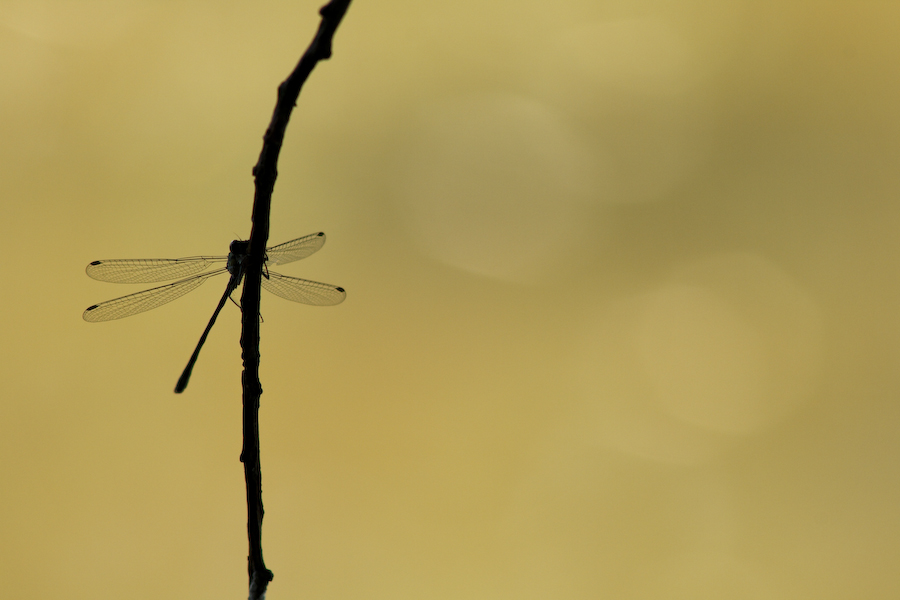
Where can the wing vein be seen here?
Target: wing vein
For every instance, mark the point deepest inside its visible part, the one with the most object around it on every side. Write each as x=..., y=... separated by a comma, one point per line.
x=139, y=302
x=303, y=290
x=149, y=270
x=295, y=249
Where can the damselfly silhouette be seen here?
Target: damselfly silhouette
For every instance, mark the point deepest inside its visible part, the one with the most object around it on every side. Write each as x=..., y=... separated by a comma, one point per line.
x=147, y=270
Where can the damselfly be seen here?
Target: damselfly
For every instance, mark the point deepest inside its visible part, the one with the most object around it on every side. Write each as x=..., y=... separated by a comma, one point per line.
x=147, y=270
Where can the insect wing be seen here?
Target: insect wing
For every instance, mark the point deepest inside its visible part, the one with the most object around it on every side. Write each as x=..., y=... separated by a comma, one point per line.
x=303, y=290
x=146, y=300
x=295, y=249
x=149, y=270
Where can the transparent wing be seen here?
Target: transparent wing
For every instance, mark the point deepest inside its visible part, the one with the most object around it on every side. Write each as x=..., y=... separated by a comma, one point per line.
x=295, y=249
x=149, y=270
x=304, y=291
x=146, y=300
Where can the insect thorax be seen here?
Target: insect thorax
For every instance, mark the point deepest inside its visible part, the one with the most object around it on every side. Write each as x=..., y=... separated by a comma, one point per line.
x=238, y=252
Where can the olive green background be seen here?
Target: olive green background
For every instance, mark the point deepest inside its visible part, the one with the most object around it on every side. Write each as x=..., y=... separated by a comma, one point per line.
x=622, y=300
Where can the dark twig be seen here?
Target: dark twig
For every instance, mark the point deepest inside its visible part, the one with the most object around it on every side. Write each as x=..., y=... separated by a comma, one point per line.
x=265, y=173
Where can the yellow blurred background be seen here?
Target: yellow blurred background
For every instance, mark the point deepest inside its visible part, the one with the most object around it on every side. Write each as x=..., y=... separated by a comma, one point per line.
x=622, y=300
